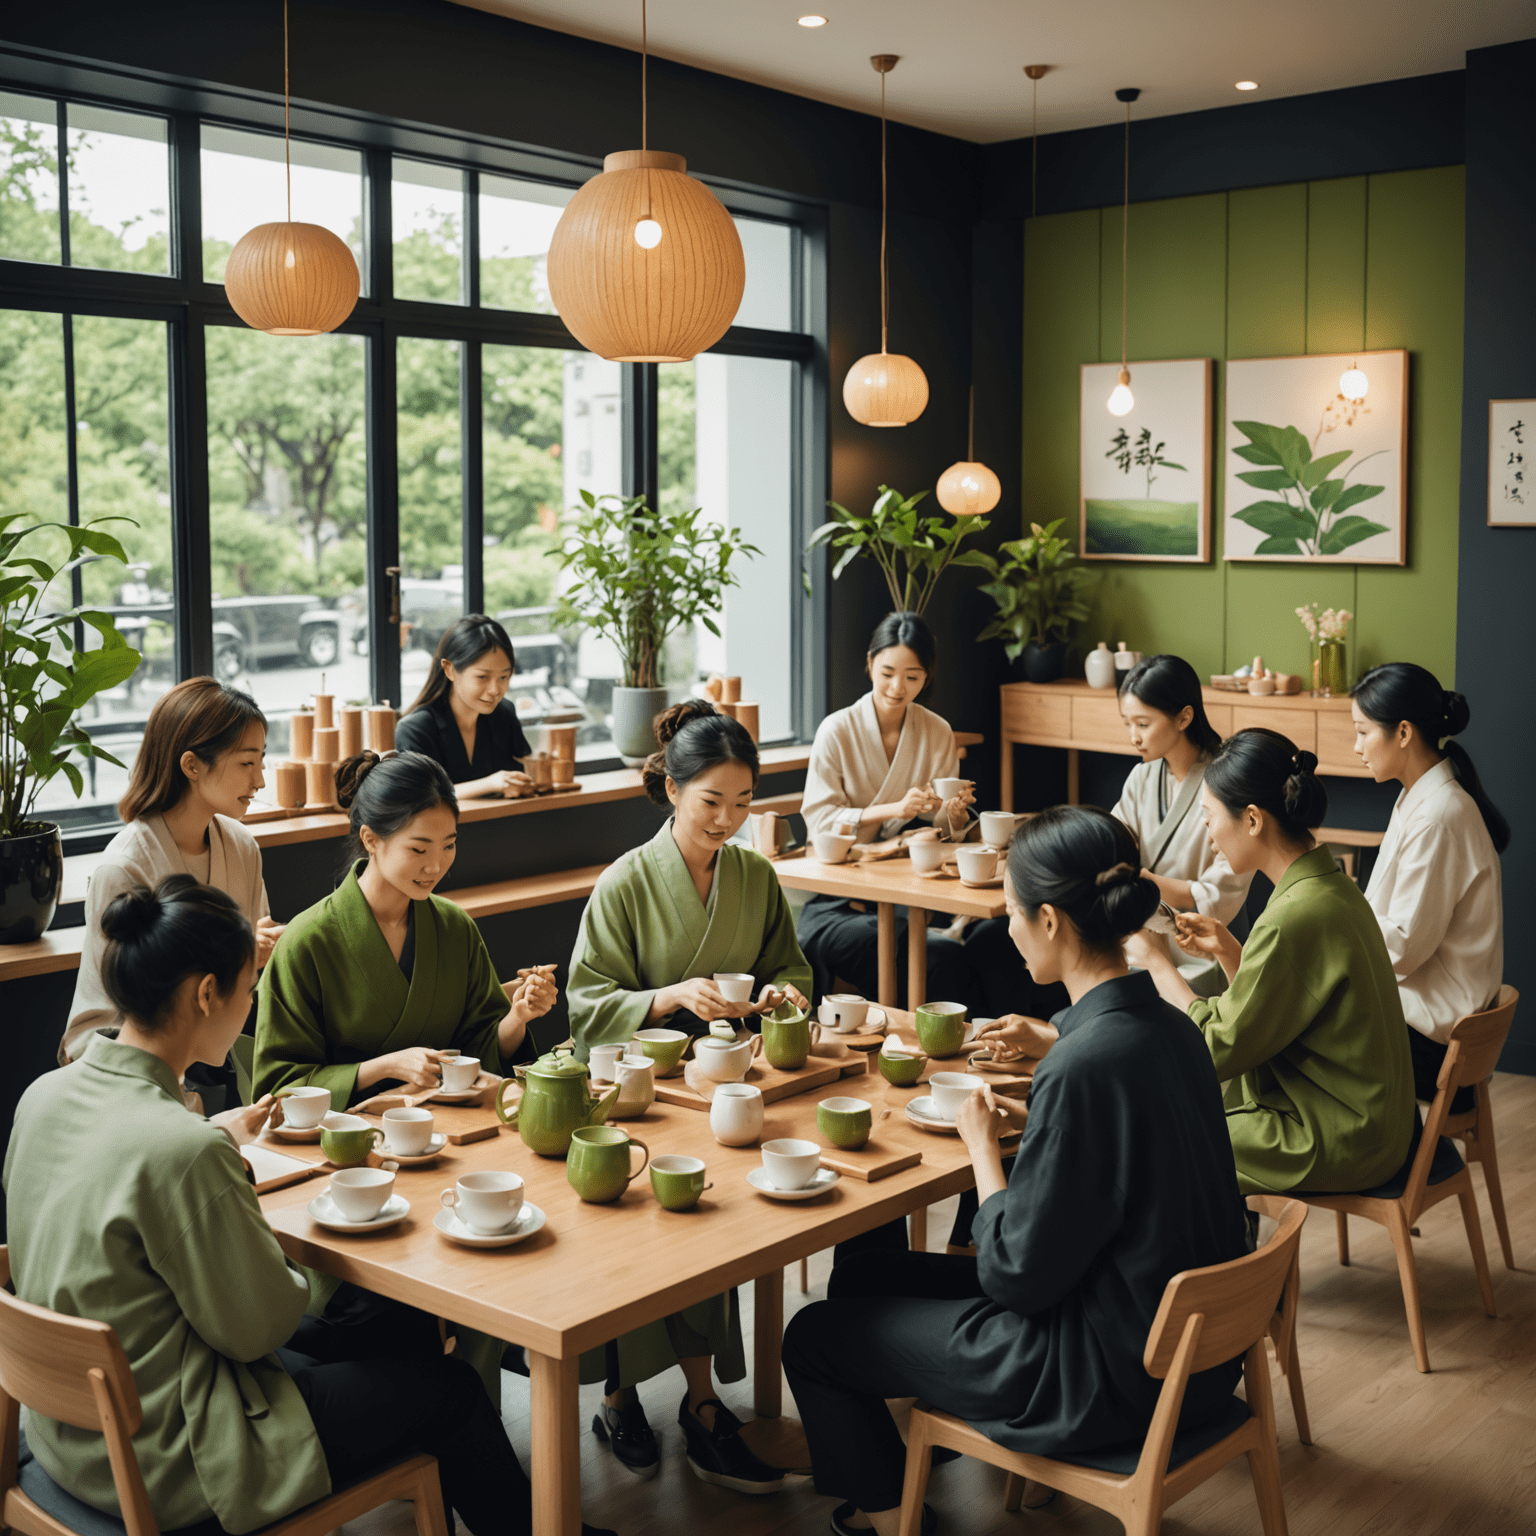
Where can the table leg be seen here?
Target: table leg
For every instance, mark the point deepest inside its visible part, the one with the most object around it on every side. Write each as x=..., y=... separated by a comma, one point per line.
x=919, y=1232
x=767, y=1344
x=886, y=917
x=1005, y=794
x=1072, y=765
x=917, y=958
x=555, y=1465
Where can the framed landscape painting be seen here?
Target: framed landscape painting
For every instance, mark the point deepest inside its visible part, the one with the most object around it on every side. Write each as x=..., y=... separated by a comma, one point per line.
x=1145, y=477
x=1310, y=474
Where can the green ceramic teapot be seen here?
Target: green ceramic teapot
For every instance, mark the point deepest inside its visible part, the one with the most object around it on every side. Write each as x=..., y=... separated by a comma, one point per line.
x=554, y=1102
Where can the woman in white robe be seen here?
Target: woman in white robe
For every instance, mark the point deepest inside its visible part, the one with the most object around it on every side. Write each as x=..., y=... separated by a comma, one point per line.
x=1162, y=706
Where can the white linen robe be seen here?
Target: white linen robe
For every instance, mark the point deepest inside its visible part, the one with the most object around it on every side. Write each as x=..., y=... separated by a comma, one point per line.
x=1436, y=892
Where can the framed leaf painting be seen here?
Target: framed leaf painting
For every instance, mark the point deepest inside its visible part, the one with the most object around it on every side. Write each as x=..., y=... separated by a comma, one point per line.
x=1312, y=475
x=1145, y=477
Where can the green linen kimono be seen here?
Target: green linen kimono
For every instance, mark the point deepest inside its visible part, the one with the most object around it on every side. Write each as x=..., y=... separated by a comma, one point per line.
x=1310, y=1041
x=125, y=1209
x=644, y=928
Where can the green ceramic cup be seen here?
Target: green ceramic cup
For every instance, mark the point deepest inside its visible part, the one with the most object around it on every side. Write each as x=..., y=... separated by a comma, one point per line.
x=597, y=1166
x=788, y=1041
x=677, y=1182
x=845, y=1122
x=349, y=1147
x=903, y=1071
x=664, y=1046
x=941, y=1028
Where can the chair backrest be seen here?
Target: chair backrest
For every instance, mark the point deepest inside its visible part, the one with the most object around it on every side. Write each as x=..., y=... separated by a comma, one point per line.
x=1236, y=1299
x=1476, y=1042
x=46, y=1361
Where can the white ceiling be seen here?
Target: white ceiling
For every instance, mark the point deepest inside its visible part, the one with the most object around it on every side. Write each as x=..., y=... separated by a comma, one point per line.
x=962, y=60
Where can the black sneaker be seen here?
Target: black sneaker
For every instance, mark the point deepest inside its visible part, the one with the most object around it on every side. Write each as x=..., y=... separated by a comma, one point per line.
x=843, y=1512
x=719, y=1455
x=630, y=1435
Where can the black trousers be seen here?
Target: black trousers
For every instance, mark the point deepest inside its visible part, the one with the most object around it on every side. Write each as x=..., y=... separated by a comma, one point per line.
x=883, y=1331
x=839, y=941
x=1428, y=1057
x=379, y=1387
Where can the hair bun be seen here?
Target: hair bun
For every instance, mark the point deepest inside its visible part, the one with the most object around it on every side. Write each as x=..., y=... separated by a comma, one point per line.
x=350, y=775
x=1458, y=713
x=670, y=721
x=1304, y=761
x=131, y=915
x=1116, y=875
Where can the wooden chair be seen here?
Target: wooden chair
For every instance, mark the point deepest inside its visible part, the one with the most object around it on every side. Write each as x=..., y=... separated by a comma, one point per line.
x=1435, y=1172
x=74, y=1370
x=1282, y=1326
x=1207, y=1316
x=1474, y=1127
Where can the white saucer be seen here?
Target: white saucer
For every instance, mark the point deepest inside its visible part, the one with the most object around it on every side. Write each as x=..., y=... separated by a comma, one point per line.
x=983, y=885
x=920, y=1113
x=824, y=1180
x=410, y=1159
x=530, y=1220
x=294, y=1132
x=323, y=1212
x=874, y=1027
x=457, y=1096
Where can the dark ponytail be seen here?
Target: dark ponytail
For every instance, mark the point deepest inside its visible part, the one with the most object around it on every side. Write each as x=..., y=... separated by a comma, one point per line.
x=1170, y=685
x=384, y=793
x=1262, y=768
x=1085, y=863
x=1402, y=690
x=156, y=939
x=695, y=737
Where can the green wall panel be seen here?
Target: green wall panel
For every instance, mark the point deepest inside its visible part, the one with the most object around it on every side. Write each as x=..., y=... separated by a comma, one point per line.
x=1336, y=265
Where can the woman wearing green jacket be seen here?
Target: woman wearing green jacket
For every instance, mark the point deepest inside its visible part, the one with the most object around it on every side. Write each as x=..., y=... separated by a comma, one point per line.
x=1309, y=1035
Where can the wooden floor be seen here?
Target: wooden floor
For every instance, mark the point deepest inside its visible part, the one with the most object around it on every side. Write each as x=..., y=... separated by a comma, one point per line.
x=1396, y=1453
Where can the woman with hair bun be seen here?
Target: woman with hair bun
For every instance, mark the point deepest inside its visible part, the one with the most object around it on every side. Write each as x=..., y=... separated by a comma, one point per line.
x=1308, y=1036
x=662, y=919
x=1038, y=1339
x=1435, y=887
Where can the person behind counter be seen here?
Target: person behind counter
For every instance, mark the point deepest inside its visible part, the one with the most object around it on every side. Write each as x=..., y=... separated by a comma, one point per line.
x=1435, y=886
x=1309, y=1035
x=462, y=717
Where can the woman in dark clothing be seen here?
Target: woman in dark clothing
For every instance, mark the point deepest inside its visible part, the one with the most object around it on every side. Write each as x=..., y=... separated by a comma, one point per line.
x=462, y=716
x=1123, y=1178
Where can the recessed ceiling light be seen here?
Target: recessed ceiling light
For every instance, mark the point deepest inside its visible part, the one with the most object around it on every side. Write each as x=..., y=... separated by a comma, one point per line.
x=813, y=21
x=1247, y=85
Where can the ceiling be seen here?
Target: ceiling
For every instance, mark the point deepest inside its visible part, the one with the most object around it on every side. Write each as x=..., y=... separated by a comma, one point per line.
x=962, y=60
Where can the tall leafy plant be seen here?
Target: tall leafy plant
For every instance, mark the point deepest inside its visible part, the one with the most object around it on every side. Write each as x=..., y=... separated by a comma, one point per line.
x=911, y=551
x=1311, y=516
x=1038, y=585
x=637, y=575
x=46, y=675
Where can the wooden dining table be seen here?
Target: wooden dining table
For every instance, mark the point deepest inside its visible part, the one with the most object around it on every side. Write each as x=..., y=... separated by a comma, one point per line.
x=886, y=884
x=596, y=1270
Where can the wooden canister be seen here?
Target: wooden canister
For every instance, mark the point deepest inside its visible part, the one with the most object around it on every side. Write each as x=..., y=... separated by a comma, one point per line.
x=288, y=785
x=563, y=770
x=351, y=727
x=381, y=727
x=562, y=741
x=301, y=728
x=324, y=705
x=540, y=771
x=327, y=744
x=731, y=691
x=320, y=783
x=746, y=715
x=726, y=707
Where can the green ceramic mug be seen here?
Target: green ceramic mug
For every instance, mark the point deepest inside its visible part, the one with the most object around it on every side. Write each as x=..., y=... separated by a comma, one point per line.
x=941, y=1028
x=788, y=1041
x=598, y=1165
x=348, y=1146
x=845, y=1122
x=677, y=1182
x=902, y=1069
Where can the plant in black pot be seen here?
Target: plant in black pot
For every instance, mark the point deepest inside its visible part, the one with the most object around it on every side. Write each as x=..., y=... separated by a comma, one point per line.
x=635, y=576
x=46, y=675
x=1038, y=584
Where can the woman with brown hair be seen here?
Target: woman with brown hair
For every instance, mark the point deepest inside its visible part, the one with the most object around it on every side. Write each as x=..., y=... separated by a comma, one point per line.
x=197, y=769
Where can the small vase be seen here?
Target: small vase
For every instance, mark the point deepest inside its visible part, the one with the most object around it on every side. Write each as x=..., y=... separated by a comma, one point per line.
x=1099, y=667
x=1329, y=679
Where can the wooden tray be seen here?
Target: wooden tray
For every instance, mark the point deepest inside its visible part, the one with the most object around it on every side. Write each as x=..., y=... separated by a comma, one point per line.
x=878, y=1158
x=775, y=1085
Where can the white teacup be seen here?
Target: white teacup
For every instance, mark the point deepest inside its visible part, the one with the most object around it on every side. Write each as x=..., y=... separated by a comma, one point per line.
x=486, y=1202
x=844, y=1012
x=736, y=1114
x=360, y=1193
x=305, y=1108
x=950, y=1090
x=603, y=1061
x=460, y=1072
x=976, y=862
x=735, y=986
x=997, y=828
x=407, y=1131
x=724, y=1061
x=948, y=789
x=832, y=847
x=791, y=1163
x=928, y=855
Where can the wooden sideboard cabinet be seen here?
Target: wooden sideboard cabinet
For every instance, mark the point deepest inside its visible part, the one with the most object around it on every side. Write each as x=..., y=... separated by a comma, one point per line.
x=1072, y=715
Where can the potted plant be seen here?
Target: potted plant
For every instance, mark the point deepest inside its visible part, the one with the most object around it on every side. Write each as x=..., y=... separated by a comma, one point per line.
x=46, y=676
x=911, y=551
x=1038, y=585
x=635, y=576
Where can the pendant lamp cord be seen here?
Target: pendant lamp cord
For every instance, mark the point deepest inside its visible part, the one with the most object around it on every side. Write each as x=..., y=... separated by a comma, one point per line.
x=885, y=299
x=1034, y=143
x=645, y=212
x=287, y=156
x=970, y=433
x=1125, y=229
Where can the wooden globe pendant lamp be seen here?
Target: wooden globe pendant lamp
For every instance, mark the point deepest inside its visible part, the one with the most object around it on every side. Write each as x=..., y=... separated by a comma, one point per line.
x=1121, y=401
x=291, y=279
x=645, y=265
x=885, y=389
x=968, y=489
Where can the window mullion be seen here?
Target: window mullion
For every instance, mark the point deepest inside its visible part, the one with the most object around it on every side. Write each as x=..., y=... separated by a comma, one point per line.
x=62, y=114
x=381, y=424
x=640, y=434
x=191, y=551
x=472, y=472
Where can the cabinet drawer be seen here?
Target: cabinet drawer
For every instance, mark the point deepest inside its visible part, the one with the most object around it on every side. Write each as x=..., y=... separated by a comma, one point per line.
x=1336, y=745
x=1299, y=724
x=1036, y=716
x=1220, y=716
x=1098, y=726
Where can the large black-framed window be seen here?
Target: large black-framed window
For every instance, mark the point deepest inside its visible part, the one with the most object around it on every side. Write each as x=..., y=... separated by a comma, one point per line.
x=306, y=496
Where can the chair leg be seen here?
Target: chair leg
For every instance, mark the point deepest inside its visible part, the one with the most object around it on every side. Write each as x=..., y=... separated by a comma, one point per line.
x=1013, y=1493
x=427, y=1503
x=1397, y=1225
x=1264, y=1467
x=1488, y=1156
x=915, y=1485
x=1474, y=1228
x=805, y=1276
x=1342, y=1221
x=1298, y=1393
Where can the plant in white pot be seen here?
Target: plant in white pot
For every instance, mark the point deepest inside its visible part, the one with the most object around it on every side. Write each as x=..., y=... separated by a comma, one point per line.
x=46, y=677
x=635, y=576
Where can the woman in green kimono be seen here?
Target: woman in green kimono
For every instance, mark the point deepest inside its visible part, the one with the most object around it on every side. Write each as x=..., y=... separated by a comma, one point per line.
x=661, y=921
x=1308, y=1036
x=125, y=1209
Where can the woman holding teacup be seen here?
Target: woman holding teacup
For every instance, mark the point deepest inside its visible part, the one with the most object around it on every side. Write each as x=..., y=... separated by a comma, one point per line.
x=663, y=921
x=125, y=1209
x=1038, y=1340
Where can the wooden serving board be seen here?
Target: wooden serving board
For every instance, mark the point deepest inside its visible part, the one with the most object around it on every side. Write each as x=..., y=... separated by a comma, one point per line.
x=878, y=1158
x=775, y=1085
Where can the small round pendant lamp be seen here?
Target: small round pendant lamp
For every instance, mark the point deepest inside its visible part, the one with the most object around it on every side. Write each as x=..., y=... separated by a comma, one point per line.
x=645, y=265
x=291, y=279
x=1121, y=401
x=968, y=489
x=884, y=388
